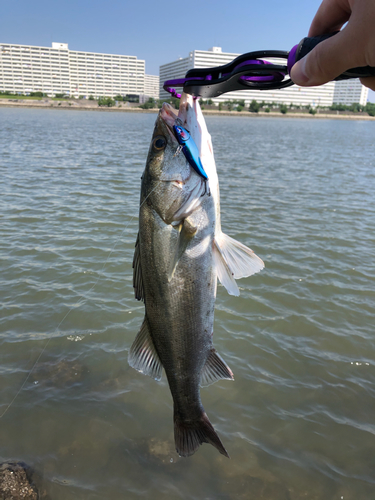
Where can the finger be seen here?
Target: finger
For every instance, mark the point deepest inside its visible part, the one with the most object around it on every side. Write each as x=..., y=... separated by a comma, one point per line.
x=330, y=17
x=326, y=61
x=369, y=82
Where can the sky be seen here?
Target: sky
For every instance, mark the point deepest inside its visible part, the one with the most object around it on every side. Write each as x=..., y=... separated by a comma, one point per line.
x=158, y=32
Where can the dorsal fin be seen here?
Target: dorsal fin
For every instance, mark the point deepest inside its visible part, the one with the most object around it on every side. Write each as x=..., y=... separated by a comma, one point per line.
x=137, y=272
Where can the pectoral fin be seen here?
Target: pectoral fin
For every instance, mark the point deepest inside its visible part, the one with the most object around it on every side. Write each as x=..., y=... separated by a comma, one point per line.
x=233, y=261
x=224, y=274
x=215, y=369
x=192, y=201
x=143, y=356
x=186, y=233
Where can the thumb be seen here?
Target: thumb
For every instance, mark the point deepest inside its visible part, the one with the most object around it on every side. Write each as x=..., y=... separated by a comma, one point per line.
x=325, y=62
x=368, y=82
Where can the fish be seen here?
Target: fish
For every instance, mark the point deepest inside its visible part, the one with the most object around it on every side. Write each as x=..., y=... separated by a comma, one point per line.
x=180, y=252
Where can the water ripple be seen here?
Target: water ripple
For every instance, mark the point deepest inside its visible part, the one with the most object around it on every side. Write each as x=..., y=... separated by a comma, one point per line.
x=298, y=419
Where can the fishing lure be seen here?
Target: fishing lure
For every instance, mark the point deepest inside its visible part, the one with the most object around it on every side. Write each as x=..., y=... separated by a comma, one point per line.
x=190, y=150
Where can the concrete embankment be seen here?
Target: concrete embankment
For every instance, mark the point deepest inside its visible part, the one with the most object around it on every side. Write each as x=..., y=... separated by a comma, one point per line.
x=87, y=105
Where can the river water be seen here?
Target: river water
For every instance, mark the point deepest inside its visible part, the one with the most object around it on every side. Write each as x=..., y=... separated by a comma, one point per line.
x=298, y=421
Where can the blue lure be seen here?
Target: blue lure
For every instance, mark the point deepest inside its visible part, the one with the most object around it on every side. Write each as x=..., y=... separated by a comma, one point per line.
x=190, y=150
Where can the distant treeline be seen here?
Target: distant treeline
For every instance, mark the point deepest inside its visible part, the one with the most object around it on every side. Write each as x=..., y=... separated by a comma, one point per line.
x=230, y=105
x=255, y=106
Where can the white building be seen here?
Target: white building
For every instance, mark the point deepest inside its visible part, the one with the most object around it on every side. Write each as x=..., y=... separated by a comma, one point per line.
x=152, y=84
x=350, y=92
x=305, y=96
x=58, y=70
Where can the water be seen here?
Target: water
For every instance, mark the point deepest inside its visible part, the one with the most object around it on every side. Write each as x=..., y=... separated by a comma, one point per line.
x=298, y=421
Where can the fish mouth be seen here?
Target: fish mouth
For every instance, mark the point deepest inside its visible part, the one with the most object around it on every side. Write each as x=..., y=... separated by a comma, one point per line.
x=186, y=105
x=167, y=113
x=170, y=118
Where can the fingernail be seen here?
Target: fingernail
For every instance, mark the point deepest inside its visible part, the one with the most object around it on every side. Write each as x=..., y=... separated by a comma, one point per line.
x=298, y=73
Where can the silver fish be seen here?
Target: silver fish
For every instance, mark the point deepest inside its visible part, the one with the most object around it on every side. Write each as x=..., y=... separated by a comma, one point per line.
x=179, y=254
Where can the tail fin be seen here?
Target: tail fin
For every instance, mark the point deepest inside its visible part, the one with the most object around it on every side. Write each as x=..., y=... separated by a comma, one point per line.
x=189, y=435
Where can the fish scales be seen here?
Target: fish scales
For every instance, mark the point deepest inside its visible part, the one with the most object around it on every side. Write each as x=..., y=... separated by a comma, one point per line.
x=183, y=340
x=180, y=253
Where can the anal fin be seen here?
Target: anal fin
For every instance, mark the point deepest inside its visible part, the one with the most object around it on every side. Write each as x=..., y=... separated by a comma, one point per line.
x=215, y=369
x=143, y=356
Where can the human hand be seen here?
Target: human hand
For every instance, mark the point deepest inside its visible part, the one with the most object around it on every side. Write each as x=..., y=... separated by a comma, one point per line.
x=354, y=46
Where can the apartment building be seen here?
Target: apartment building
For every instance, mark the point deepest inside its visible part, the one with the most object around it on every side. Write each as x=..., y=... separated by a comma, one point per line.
x=58, y=70
x=350, y=92
x=305, y=96
x=152, y=84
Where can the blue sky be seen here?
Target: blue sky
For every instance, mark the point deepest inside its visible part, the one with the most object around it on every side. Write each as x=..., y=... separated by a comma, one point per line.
x=158, y=32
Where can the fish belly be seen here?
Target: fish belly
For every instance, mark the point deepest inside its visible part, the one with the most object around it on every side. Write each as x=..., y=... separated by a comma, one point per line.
x=180, y=316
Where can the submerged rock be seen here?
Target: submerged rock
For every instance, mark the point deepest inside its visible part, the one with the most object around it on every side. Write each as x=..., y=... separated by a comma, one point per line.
x=162, y=450
x=59, y=374
x=16, y=482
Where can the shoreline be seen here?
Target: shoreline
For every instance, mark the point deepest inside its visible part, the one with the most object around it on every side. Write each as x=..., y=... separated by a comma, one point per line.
x=129, y=109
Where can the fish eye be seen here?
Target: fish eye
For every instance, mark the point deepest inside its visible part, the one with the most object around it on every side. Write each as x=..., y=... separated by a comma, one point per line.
x=159, y=143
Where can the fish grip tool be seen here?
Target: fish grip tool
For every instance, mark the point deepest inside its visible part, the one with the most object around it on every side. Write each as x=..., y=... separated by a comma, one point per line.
x=250, y=72
x=247, y=71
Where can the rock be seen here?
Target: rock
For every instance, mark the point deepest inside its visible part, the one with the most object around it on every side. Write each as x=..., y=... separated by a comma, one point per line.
x=16, y=482
x=61, y=374
x=162, y=450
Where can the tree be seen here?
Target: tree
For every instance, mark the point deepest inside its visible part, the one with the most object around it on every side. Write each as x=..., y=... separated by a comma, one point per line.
x=355, y=107
x=150, y=104
x=283, y=109
x=254, y=106
x=370, y=108
x=338, y=107
x=106, y=101
x=175, y=101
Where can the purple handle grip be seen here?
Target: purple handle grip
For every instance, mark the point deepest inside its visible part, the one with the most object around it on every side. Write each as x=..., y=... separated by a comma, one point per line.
x=307, y=45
